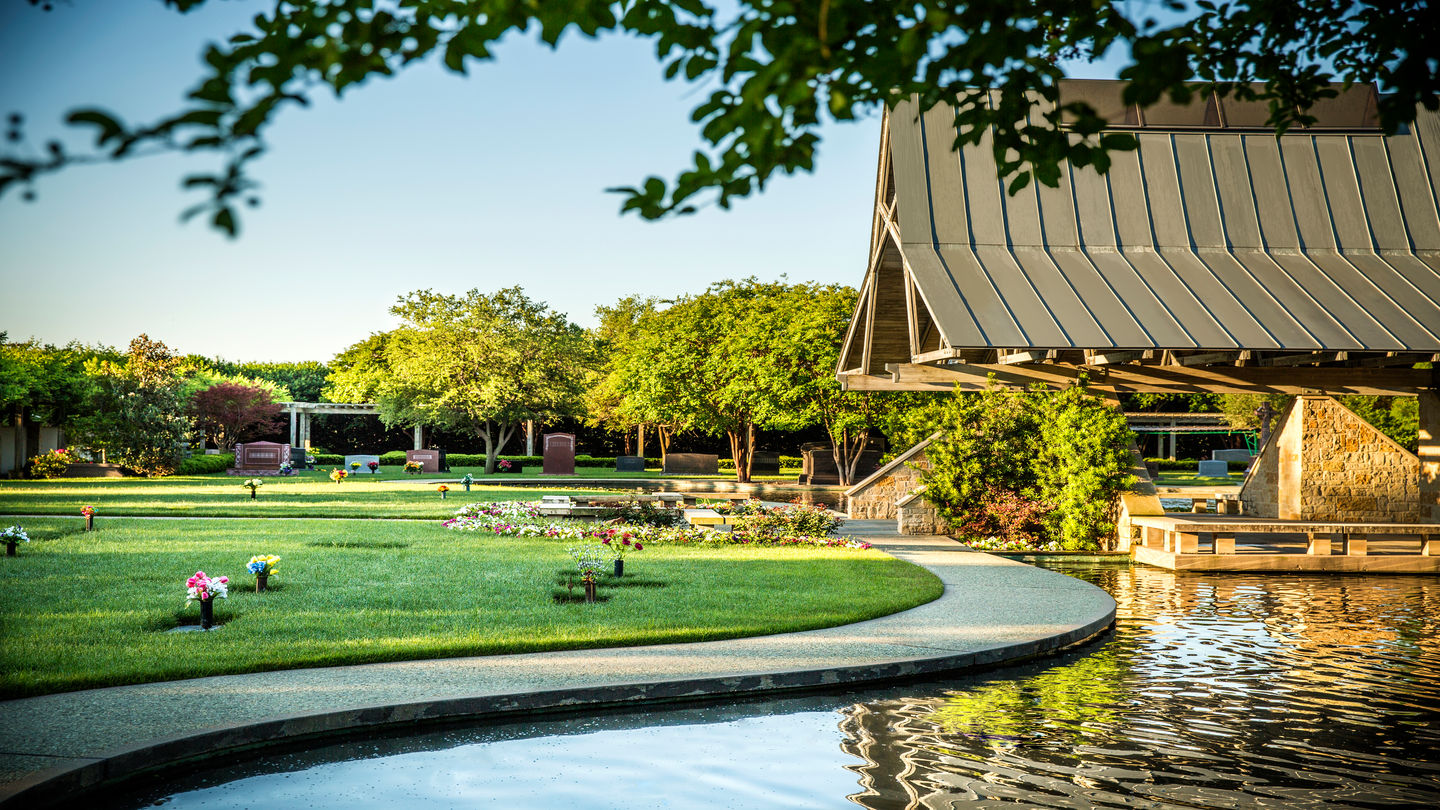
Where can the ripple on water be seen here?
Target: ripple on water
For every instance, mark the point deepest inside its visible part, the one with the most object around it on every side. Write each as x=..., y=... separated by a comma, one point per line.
x=1214, y=691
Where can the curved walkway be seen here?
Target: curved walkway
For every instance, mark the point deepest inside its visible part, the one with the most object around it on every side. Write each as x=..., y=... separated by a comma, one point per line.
x=993, y=611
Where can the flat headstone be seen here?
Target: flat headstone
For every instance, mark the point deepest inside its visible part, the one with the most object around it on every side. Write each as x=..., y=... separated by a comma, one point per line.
x=364, y=462
x=559, y=454
x=1213, y=469
x=691, y=464
x=630, y=464
x=1231, y=455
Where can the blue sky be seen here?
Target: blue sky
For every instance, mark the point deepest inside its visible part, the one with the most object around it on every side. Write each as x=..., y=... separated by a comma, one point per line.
x=428, y=180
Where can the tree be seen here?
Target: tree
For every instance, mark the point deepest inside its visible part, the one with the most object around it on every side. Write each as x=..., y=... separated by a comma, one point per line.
x=478, y=363
x=605, y=401
x=136, y=410
x=227, y=412
x=779, y=70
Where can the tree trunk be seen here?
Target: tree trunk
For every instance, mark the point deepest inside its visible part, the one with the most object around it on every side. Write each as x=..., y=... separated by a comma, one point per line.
x=742, y=450
x=495, y=444
x=663, y=434
x=639, y=440
x=847, y=450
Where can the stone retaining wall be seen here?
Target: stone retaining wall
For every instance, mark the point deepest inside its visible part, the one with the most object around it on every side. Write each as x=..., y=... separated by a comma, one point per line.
x=1326, y=463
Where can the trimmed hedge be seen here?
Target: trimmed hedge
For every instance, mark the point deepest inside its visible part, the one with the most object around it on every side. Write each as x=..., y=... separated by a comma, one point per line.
x=786, y=463
x=202, y=464
x=1190, y=464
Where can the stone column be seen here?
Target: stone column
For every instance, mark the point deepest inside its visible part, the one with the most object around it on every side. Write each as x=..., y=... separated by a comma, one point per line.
x=305, y=430
x=529, y=437
x=419, y=437
x=292, y=428
x=1173, y=442
x=1429, y=452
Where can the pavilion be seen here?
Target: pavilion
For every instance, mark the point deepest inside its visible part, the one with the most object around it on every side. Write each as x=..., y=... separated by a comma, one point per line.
x=1217, y=257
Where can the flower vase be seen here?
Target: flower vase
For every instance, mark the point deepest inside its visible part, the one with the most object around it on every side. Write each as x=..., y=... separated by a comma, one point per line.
x=89, y=523
x=442, y=495
x=252, y=494
x=620, y=567
x=207, y=613
x=9, y=548
x=262, y=583
x=589, y=591
x=467, y=487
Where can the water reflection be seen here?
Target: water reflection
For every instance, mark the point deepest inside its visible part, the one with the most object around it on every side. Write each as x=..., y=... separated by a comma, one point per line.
x=1215, y=690
x=1218, y=690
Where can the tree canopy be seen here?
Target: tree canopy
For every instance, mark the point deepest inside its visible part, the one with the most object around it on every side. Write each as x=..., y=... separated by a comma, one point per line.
x=777, y=71
x=481, y=363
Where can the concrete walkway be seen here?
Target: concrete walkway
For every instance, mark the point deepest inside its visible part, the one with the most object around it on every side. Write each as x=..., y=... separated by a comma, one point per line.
x=993, y=610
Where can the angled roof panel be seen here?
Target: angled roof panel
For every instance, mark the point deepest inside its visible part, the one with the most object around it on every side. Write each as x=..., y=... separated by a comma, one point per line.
x=1205, y=238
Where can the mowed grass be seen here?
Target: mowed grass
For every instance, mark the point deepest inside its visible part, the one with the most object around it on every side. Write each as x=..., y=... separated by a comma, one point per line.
x=80, y=610
x=307, y=494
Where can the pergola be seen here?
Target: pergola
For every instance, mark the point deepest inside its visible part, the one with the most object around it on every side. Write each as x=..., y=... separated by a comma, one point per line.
x=300, y=413
x=1217, y=257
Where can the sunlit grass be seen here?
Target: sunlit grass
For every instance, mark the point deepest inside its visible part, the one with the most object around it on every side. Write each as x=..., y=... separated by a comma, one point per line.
x=390, y=494
x=91, y=609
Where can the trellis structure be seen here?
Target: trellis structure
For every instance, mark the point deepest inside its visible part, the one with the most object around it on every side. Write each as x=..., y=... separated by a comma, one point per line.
x=1217, y=258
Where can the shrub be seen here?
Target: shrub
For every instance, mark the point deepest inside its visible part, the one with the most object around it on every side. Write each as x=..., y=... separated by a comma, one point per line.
x=52, y=464
x=1007, y=520
x=202, y=465
x=781, y=521
x=643, y=513
x=1065, y=452
x=327, y=458
x=1189, y=464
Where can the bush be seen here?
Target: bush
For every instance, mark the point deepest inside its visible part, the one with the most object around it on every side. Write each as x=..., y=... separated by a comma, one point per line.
x=202, y=464
x=644, y=513
x=786, y=463
x=1003, y=451
x=327, y=458
x=780, y=521
x=52, y=464
x=1007, y=521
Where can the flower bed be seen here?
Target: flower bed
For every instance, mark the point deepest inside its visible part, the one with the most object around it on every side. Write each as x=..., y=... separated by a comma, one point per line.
x=522, y=519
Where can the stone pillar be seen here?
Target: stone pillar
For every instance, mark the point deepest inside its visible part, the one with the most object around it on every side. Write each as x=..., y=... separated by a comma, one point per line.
x=1429, y=452
x=640, y=440
x=419, y=437
x=529, y=437
x=305, y=430
x=1174, y=449
x=292, y=428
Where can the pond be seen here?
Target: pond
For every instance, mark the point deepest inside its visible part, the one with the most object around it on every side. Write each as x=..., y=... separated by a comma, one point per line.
x=1214, y=690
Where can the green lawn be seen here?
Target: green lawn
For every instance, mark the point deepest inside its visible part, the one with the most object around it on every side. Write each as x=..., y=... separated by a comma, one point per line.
x=308, y=494
x=79, y=610
x=1174, y=478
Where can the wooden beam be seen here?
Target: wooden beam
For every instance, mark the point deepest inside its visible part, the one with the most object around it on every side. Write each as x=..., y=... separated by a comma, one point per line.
x=1207, y=358
x=1306, y=359
x=1027, y=357
x=1167, y=379
x=1114, y=358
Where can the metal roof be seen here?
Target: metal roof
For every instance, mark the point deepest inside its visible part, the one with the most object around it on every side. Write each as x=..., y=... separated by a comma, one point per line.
x=1201, y=239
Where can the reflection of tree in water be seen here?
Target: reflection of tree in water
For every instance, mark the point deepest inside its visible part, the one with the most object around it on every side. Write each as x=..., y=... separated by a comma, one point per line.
x=1215, y=690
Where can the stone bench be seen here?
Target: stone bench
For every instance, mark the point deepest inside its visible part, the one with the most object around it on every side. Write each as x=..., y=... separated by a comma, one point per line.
x=1185, y=535
x=705, y=517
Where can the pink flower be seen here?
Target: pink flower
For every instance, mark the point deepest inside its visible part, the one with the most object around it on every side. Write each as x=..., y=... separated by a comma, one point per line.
x=638, y=546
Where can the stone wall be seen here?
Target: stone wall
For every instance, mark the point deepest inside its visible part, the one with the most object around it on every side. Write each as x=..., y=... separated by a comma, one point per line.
x=877, y=501
x=1325, y=463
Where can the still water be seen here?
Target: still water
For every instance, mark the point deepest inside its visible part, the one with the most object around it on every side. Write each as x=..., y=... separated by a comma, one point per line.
x=1214, y=690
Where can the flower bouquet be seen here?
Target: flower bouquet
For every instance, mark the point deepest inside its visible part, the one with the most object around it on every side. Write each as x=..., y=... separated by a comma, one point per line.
x=205, y=590
x=13, y=535
x=442, y=489
x=263, y=567
x=467, y=481
x=617, y=542
x=286, y=469
x=89, y=514
x=589, y=559
x=374, y=467
x=355, y=465
x=337, y=475
x=503, y=465
x=413, y=467
x=252, y=484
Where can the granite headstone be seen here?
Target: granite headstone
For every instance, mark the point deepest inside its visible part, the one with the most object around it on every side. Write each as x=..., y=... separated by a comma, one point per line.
x=559, y=458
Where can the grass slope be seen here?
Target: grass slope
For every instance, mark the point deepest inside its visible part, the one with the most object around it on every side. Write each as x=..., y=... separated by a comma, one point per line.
x=80, y=610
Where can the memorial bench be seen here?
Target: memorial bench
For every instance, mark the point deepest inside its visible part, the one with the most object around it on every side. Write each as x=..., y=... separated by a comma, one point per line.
x=1186, y=535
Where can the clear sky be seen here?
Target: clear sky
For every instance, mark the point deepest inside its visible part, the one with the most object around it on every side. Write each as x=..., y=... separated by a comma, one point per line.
x=428, y=180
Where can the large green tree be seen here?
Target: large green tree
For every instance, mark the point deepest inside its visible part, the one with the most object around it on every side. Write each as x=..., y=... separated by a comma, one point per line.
x=776, y=70
x=481, y=363
x=137, y=410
